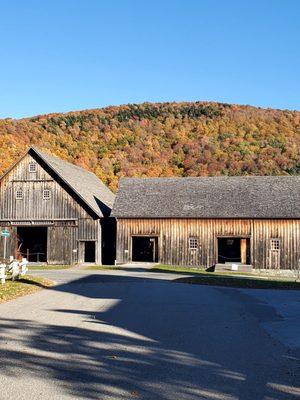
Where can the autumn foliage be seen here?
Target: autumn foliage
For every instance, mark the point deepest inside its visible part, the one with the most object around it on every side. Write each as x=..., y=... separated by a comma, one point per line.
x=167, y=139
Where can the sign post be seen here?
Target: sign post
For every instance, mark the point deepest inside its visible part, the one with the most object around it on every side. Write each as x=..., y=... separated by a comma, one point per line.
x=5, y=234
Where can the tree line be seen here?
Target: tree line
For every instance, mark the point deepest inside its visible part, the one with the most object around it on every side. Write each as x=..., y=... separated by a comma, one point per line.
x=163, y=139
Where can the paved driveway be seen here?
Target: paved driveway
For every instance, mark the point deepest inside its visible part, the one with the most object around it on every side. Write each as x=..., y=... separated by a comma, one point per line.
x=136, y=335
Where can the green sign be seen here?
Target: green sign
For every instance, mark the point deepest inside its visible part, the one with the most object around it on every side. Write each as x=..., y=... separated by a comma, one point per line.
x=5, y=233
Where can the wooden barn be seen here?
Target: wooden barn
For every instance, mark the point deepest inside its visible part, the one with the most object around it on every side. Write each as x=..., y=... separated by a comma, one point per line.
x=219, y=221
x=56, y=212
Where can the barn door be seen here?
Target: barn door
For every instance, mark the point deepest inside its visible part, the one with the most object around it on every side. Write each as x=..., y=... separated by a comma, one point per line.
x=60, y=245
x=274, y=256
x=144, y=248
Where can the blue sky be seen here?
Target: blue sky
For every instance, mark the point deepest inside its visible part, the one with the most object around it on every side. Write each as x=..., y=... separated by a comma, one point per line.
x=72, y=55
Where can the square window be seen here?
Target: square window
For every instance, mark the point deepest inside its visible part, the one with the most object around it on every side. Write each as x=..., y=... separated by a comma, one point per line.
x=275, y=244
x=193, y=243
x=46, y=194
x=32, y=167
x=19, y=194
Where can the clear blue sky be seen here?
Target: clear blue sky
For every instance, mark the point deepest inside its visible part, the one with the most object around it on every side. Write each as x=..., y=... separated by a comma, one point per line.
x=72, y=55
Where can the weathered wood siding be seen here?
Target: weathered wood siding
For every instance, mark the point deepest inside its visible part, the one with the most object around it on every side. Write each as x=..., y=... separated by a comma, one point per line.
x=68, y=222
x=288, y=231
x=173, y=235
x=33, y=206
x=66, y=238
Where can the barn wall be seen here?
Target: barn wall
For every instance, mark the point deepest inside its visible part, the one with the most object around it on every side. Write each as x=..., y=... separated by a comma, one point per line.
x=69, y=224
x=61, y=205
x=288, y=231
x=173, y=235
x=66, y=238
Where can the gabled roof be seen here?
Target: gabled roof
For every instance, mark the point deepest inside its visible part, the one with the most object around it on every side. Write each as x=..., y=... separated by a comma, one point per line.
x=205, y=197
x=82, y=183
x=85, y=184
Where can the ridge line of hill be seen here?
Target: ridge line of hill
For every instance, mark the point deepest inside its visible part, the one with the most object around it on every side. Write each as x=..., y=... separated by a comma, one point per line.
x=163, y=139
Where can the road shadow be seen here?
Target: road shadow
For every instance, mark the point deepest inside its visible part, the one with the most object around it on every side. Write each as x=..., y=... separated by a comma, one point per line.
x=156, y=340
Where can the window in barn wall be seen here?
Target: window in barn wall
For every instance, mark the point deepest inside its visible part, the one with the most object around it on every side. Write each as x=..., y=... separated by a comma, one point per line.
x=46, y=194
x=275, y=244
x=19, y=194
x=193, y=243
x=32, y=167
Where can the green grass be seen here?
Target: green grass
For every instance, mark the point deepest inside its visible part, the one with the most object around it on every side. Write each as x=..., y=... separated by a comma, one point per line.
x=173, y=269
x=28, y=284
x=228, y=279
x=101, y=267
x=239, y=282
x=48, y=267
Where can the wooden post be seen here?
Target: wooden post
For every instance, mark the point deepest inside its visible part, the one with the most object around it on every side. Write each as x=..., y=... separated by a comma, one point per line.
x=154, y=250
x=244, y=251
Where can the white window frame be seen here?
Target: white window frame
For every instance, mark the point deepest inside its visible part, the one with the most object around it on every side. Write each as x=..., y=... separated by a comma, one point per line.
x=193, y=243
x=275, y=244
x=19, y=194
x=48, y=196
x=32, y=167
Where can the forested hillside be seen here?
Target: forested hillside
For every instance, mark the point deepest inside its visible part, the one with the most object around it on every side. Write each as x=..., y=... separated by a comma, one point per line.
x=168, y=139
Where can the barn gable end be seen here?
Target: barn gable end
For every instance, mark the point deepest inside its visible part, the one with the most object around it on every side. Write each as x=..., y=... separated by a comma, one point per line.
x=43, y=192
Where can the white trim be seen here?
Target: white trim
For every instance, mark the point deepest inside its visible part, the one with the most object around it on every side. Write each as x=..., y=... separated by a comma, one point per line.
x=19, y=194
x=193, y=243
x=32, y=167
x=46, y=194
x=275, y=244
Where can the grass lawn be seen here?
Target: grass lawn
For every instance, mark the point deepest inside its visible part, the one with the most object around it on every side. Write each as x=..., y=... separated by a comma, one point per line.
x=101, y=267
x=229, y=279
x=28, y=284
x=48, y=267
x=174, y=269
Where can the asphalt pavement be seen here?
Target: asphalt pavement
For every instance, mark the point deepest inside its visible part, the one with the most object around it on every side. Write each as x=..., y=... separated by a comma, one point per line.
x=133, y=334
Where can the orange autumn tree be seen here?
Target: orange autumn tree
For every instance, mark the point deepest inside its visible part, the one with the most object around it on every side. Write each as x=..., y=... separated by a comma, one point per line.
x=163, y=139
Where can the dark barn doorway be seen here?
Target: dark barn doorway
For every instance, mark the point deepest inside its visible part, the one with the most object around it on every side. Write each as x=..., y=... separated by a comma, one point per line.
x=32, y=243
x=234, y=249
x=109, y=230
x=89, y=251
x=144, y=249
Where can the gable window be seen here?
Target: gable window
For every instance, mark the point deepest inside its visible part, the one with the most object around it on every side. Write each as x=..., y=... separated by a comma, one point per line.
x=19, y=194
x=275, y=244
x=32, y=167
x=193, y=243
x=46, y=194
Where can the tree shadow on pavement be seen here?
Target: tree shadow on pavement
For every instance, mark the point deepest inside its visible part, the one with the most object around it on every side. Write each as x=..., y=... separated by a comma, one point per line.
x=155, y=340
